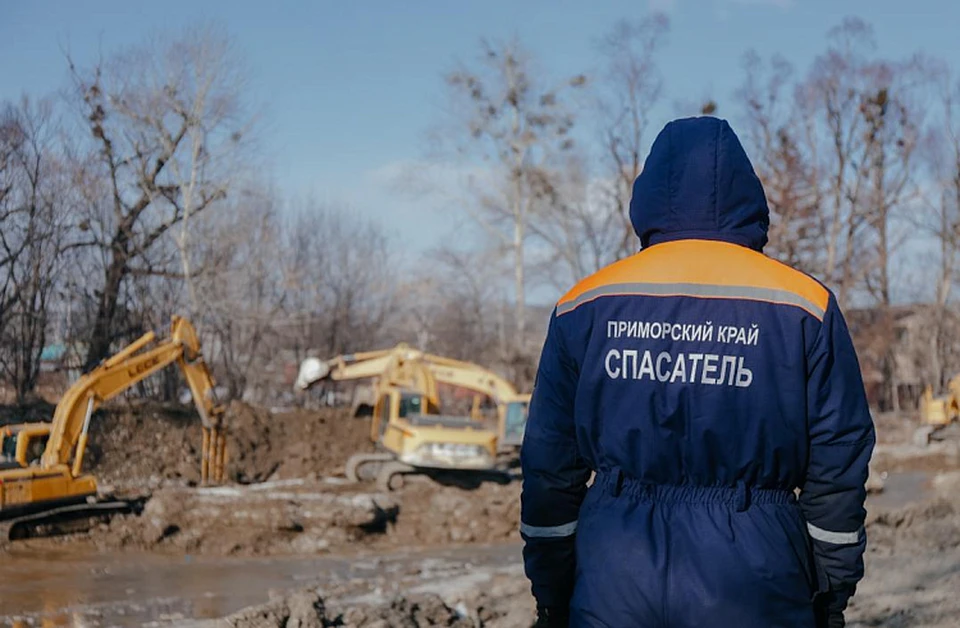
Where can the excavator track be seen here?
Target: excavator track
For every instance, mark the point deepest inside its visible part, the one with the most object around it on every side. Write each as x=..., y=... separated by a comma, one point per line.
x=65, y=519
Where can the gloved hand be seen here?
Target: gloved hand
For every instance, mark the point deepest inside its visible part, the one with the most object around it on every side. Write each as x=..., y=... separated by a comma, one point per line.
x=829, y=607
x=828, y=619
x=552, y=617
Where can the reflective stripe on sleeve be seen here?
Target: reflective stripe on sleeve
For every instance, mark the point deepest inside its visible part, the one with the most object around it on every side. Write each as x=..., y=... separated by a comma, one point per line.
x=542, y=532
x=836, y=538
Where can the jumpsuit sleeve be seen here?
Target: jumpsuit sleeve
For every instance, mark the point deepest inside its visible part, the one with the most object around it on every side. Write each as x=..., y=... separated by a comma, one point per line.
x=554, y=476
x=842, y=437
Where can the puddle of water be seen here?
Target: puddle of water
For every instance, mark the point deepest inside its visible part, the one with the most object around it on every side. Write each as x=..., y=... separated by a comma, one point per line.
x=64, y=588
x=76, y=590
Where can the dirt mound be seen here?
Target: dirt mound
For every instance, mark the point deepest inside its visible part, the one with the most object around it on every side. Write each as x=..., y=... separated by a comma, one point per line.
x=275, y=518
x=262, y=445
x=433, y=514
x=308, y=517
x=151, y=445
x=307, y=609
x=504, y=602
x=144, y=446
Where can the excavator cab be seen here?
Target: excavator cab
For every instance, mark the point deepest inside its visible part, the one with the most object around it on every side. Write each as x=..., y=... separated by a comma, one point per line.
x=401, y=403
x=22, y=445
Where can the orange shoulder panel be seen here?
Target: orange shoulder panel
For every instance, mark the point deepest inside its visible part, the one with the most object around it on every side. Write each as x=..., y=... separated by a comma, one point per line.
x=702, y=268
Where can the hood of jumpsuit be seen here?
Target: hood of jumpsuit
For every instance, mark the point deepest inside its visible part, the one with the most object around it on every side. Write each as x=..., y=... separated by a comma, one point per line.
x=698, y=183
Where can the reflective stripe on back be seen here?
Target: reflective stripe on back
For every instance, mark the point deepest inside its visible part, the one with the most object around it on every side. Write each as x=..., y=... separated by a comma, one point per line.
x=701, y=269
x=751, y=293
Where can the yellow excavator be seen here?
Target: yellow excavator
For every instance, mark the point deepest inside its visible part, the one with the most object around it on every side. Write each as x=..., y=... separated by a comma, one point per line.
x=41, y=469
x=411, y=432
x=511, y=406
x=938, y=415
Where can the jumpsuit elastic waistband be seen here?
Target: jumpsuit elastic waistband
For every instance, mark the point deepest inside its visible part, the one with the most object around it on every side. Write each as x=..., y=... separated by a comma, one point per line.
x=741, y=496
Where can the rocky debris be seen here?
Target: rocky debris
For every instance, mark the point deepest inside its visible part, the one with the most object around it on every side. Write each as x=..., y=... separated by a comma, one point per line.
x=505, y=602
x=303, y=609
x=306, y=517
x=433, y=514
x=289, y=517
x=307, y=609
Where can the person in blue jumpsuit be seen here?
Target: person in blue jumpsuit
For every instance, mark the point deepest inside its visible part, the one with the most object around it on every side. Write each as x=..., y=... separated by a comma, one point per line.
x=716, y=395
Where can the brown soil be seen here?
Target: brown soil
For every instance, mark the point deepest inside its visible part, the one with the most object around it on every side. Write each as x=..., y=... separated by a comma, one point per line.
x=491, y=598
x=913, y=573
x=433, y=514
x=274, y=518
x=307, y=609
x=282, y=501
x=283, y=496
x=149, y=446
x=300, y=517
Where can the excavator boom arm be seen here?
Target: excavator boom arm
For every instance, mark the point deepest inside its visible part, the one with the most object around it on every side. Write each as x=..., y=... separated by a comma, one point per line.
x=131, y=365
x=371, y=364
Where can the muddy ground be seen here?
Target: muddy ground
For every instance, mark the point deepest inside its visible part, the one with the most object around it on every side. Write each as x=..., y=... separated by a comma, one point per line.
x=287, y=500
x=913, y=576
x=304, y=517
x=286, y=493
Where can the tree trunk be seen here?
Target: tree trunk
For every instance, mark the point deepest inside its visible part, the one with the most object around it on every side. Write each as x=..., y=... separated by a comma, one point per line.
x=519, y=286
x=106, y=312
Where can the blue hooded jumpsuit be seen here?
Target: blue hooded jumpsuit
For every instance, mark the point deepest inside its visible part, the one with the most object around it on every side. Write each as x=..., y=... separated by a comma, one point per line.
x=704, y=383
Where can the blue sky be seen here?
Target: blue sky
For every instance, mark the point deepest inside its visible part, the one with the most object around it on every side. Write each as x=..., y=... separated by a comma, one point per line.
x=349, y=89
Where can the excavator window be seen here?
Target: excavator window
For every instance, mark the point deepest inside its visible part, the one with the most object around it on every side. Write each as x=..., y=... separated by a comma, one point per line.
x=9, y=449
x=35, y=448
x=411, y=404
x=516, y=418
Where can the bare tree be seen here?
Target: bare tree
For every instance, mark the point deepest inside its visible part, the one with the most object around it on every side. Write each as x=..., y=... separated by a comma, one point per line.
x=466, y=302
x=241, y=290
x=12, y=138
x=160, y=118
x=775, y=134
x=631, y=89
x=34, y=238
x=340, y=276
x=942, y=158
x=892, y=126
x=834, y=93
x=576, y=231
x=514, y=126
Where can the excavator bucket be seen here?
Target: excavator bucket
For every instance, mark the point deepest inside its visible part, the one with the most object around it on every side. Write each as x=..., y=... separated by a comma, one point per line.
x=213, y=456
